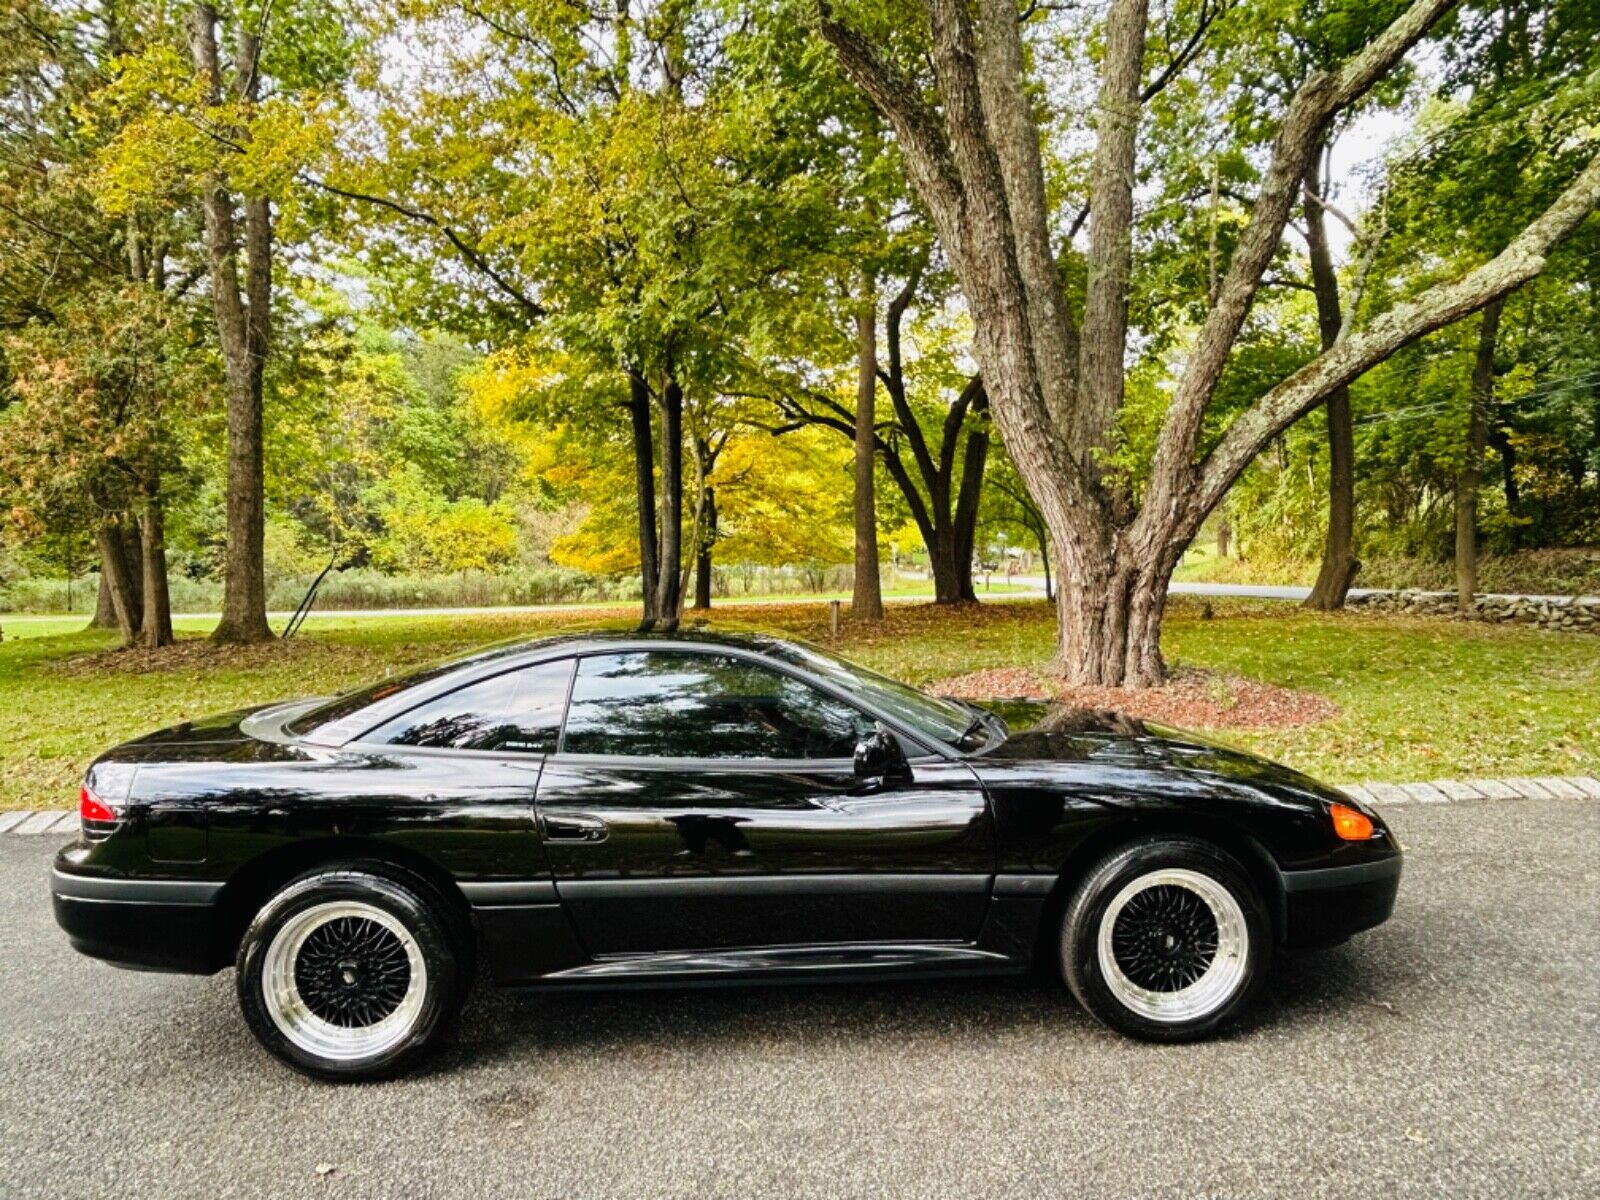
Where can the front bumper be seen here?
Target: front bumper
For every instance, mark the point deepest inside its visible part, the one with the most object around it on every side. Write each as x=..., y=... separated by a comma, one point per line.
x=1327, y=905
x=145, y=924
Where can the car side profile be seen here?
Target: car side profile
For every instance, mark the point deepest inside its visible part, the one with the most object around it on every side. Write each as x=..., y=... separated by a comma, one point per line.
x=608, y=810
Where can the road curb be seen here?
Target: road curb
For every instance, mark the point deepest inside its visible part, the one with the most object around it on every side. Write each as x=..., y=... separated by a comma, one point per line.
x=1380, y=795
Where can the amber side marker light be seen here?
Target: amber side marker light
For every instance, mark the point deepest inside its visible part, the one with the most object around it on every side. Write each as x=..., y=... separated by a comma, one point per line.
x=1349, y=824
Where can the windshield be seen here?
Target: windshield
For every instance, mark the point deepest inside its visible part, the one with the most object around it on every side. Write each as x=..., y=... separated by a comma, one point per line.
x=944, y=720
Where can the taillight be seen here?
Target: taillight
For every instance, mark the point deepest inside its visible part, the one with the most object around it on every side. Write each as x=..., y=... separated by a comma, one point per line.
x=99, y=819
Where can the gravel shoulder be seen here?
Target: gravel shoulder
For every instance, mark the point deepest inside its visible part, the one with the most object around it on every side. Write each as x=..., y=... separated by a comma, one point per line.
x=1455, y=1050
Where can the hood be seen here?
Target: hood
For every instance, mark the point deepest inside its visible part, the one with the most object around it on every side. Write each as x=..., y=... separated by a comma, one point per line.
x=1044, y=732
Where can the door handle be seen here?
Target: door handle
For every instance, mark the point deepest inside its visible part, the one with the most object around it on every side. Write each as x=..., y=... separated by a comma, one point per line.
x=568, y=828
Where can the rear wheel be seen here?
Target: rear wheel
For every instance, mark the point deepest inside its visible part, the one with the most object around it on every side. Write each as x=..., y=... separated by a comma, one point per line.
x=349, y=974
x=1165, y=939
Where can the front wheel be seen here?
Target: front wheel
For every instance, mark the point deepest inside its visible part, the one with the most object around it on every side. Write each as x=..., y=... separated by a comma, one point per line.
x=1165, y=939
x=348, y=974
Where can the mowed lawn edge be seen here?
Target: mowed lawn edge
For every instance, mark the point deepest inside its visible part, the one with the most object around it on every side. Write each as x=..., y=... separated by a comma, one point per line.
x=1419, y=698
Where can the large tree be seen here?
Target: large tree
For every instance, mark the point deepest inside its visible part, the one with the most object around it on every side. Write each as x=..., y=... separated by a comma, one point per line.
x=225, y=110
x=1054, y=370
x=65, y=253
x=611, y=201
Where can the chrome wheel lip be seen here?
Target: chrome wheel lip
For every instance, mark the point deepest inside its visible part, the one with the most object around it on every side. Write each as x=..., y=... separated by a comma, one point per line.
x=294, y=1018
x=1222, y=978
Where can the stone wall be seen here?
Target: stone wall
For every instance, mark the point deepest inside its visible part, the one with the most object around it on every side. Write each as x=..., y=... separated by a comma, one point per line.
x=1569, y=614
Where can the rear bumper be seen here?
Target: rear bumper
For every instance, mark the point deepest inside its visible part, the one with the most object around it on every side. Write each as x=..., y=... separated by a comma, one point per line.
x=145, y=924
x=1327, y=905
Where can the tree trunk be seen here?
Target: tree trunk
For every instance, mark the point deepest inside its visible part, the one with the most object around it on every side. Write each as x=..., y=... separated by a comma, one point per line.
x=244, y=335
x=1110, y=619
x=644, y=477
x=1471, y=476
x=124, y=543
x=1501, y=441
x=964, y=521
x=105, y=612
x=702, y=562
x=671, y=502
x=156, y=628
x=1339, y=565
x=114, y=569
x=952, y=574
x=1224, y=537
x=866, y=596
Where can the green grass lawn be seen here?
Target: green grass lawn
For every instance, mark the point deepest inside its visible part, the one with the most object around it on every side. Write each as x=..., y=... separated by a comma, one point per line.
x=1420, y=698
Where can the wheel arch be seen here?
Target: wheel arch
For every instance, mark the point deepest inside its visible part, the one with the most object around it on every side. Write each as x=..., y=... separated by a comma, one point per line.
x=1251, y=854
x=253, y=884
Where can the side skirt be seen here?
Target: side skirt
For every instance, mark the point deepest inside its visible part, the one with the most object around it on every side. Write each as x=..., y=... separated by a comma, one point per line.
x=831, y=963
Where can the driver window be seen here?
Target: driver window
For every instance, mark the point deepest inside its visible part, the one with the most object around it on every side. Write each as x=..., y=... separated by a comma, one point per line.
x=677, y=704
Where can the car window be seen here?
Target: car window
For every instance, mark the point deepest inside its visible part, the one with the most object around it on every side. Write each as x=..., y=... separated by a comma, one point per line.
x=684, y=705
x=518, y=712
x=942, y=719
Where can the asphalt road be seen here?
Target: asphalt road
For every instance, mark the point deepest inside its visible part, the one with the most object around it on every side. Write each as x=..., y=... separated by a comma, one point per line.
x=1455, y=1051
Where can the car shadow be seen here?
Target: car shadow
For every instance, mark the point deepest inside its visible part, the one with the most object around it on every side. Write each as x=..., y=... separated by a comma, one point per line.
x=1303, y=988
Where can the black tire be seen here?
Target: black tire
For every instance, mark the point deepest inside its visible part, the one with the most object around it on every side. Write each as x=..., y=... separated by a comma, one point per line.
x=417, y=938
x=1175, y=1010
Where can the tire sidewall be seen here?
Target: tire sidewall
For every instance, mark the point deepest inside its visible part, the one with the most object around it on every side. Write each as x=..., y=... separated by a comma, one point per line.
x=406, y=905
x=1084, y=912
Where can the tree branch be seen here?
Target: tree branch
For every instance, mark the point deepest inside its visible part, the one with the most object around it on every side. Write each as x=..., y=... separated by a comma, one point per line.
x=1318, y=99
x=1013, y=131
x=1520, y=261
x=916, y=126
x=1183, y=57
x=1110, y=258
x=531, y=307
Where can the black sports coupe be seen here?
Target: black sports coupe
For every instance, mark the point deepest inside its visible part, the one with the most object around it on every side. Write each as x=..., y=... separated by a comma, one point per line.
x=625, y=810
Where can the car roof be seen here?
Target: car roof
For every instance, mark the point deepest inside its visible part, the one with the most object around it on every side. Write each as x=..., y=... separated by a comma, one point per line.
x=600, y=637
x=450, y=674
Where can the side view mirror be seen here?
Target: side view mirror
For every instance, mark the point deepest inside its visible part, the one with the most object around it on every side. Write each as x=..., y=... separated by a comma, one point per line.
x=879, y=756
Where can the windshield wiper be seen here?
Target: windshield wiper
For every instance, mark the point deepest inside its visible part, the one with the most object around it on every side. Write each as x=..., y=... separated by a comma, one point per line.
x=982, y=719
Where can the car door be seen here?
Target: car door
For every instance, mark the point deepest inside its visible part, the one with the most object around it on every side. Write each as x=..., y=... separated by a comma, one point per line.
x=707, y=799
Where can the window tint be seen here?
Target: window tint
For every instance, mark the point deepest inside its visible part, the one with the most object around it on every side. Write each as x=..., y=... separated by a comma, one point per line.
x=942, y=719
x=343, y=717
x=518, y=712
x=675, y=705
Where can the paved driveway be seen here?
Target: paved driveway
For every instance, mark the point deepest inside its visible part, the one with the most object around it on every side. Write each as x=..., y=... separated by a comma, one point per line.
x=1455, y=1051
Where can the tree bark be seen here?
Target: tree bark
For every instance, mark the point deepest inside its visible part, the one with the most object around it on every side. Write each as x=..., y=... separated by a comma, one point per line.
x=866, y=595
x=105, y=613
x=644, y=476
x=156, y=627
x=671, y=505
x=964, y=521
x=243, y=330
x=1110, y=258
x=952, y=574
x=114, y=569
x=124, y=544
x=1339, y=565
x=702, y=562
x=1470, y=478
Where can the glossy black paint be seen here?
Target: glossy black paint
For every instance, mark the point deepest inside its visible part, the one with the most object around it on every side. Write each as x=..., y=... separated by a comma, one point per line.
x=584, y=870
